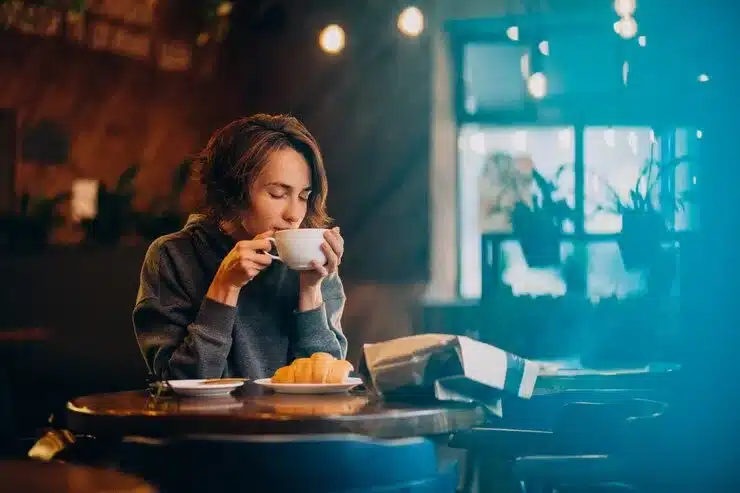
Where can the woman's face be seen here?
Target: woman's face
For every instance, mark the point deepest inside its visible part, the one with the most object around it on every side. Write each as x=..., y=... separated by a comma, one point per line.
x=279, y=195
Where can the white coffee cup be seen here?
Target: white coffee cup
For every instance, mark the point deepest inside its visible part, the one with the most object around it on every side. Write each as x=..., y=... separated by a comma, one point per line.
x=298, y=247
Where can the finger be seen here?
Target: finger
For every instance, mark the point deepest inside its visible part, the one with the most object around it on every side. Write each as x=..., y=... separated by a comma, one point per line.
x=252, y=269
x=261, y=244
x=332, y=260
x=266, y=234
x=335, y=242
x=261, y=259
x=319, y=269
x=336, y=232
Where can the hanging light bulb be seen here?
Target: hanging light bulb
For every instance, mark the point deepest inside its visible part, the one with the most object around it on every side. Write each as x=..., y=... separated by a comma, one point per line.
x=524, y=66
x=411, y=21
x=625, y=72
x=513, y=33
x=626, y=27
x=544, y=47
x=642, y=41
x=625, y=8
x=537, y=85
x=332, y=39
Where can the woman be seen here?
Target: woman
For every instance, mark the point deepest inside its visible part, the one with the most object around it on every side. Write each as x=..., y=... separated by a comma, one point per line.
x=211, y=302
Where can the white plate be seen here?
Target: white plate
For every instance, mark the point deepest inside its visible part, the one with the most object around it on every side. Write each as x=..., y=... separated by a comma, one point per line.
x=196, y=388
x=310, y=388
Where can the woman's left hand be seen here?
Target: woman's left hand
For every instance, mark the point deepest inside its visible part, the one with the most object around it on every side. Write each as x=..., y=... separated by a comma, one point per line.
x=333, y=248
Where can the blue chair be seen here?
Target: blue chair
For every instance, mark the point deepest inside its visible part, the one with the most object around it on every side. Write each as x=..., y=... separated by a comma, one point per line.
x=316, y=463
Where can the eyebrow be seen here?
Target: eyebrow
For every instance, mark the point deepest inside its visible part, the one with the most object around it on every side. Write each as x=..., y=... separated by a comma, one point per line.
x=286, y=186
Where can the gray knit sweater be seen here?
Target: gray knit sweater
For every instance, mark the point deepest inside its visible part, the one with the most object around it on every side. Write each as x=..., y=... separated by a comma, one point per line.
x=183, y=334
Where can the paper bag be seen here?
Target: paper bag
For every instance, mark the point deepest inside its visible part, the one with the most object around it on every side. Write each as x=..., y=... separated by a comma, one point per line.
x=447, y=367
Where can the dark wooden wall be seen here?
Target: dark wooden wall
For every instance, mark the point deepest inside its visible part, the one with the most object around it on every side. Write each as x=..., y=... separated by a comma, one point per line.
x=369, y=108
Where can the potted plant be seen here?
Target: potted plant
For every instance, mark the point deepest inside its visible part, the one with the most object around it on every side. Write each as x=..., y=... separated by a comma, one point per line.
x=30, y=227
x=115, y=215
x=539, y=224
x=165, y=214
x=536, y=218
x=644, y=226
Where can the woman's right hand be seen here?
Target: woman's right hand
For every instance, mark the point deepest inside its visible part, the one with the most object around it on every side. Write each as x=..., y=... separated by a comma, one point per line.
x=241, y=265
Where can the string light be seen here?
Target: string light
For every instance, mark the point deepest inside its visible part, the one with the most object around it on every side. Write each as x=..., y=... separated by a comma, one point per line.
x=625, y=8
x=544, y=48
x=332, y=39
x=626, y=27
x=537, y=85
x=513, y=33
x=411, y=21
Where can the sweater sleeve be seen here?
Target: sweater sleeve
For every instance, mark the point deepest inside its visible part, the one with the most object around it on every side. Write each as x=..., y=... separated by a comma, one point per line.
x=179, y=337
x=320, y=330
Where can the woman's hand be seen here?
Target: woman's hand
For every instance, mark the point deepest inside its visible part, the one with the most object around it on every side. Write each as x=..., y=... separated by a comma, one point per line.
x=310, y=280
x=241, y=265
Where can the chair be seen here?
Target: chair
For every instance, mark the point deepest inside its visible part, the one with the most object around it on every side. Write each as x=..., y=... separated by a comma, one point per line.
x=583, y=434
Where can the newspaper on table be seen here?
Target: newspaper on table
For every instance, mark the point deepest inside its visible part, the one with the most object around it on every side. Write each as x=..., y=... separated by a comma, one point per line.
x=447, y=367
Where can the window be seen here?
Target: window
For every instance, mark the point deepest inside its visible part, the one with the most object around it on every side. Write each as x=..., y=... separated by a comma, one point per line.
x=495, y=167
x=494, y=172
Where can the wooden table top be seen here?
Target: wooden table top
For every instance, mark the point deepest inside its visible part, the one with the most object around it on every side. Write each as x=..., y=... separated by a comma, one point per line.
x=56, y=477
x=251, y=410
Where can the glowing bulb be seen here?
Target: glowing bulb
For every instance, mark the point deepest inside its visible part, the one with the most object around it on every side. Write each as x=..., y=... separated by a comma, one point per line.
x=537, y=85
x=471, y=104
x=513, y=33
x=411, y=21
x=331, y=39
x=625, y=72
x=642, y=41
x=544, y=47
x=625, y=8
x=524, y=65
x=703, y=78
x=699, y=134
x=626, y=27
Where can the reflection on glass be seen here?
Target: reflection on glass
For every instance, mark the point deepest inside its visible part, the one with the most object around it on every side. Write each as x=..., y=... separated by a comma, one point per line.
x=613, y=161
x=492, y=75
x=525, y=280
x=489, y=187
x=607, y=276
x=687, y=145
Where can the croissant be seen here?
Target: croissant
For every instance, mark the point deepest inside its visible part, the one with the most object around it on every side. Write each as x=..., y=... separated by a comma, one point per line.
x=319, y=368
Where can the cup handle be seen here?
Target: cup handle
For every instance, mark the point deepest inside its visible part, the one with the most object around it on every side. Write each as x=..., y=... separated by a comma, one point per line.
x=272, y=240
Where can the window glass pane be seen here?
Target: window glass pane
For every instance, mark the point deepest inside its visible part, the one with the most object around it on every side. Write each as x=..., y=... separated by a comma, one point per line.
x=687, y=147
x=525, y=280
x=607, y=276
x=613, y=160
x=492, y=76
x=489, y=188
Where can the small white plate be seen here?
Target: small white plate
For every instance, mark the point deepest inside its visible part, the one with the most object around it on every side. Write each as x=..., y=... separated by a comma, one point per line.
x=197, y=388
x=310, y=388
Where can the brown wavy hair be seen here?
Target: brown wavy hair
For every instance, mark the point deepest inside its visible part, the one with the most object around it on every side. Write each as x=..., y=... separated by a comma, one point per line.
x=237, y=153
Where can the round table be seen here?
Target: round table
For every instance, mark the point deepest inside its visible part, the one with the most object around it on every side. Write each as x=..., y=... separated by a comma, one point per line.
x=56, y=477
x=250, y=410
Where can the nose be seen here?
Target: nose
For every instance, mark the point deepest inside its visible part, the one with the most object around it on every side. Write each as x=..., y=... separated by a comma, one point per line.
x=294, y=212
